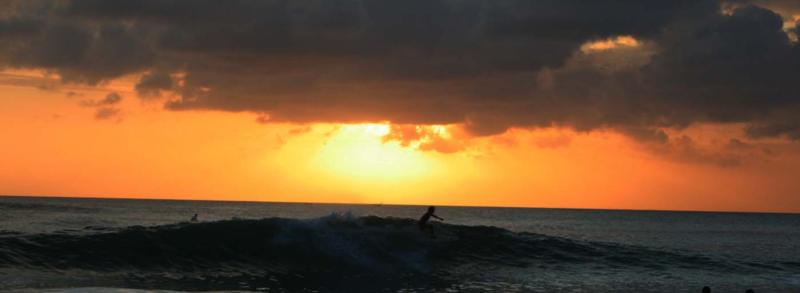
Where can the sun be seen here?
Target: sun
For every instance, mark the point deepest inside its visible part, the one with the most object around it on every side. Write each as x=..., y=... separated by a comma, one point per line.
x=357, y=152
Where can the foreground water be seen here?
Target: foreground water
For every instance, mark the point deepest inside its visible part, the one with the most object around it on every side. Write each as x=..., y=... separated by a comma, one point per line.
x=94, y=245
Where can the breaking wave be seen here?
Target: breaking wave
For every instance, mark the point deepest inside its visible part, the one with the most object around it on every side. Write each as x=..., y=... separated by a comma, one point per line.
x=327, y=251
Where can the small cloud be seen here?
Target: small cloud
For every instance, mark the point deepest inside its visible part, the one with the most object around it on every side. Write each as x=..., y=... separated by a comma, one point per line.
x=71, y=94
x=106, y=113
x=111, y=99
x=300, y=130
x=404, y=134
x=442, y=145
x=425, y=138
x=263, y=118
x=105, y=109
x=331, y=132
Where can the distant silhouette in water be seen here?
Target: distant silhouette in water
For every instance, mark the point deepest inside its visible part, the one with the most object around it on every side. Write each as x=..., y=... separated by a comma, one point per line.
x=423, y=222
x=706, y=289
x=194, y=218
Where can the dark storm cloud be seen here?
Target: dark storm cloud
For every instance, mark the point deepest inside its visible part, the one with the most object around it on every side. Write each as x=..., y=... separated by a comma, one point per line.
x=18, y=28
x=736, y=68
x=77, y=52
x=740, y=68
x=489, y=64
x=152, y=83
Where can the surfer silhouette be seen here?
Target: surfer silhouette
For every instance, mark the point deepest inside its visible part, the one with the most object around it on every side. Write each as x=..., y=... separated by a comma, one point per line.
x=423, y=221
x=194, y=218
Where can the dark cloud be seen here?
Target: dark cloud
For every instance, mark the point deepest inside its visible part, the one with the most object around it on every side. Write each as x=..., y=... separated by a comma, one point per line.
x=647, y=134
x=744, y=60
x=14, y=28
x=724, y=68
x=487, y=64
x=152, y=83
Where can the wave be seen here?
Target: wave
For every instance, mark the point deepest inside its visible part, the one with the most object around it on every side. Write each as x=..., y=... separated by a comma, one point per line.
x=333, y=247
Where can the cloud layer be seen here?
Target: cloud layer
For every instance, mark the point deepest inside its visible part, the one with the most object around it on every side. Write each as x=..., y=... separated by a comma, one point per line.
x=488, y=64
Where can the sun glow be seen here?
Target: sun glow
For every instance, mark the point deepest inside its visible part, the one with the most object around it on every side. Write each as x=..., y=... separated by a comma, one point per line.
x=357, y=152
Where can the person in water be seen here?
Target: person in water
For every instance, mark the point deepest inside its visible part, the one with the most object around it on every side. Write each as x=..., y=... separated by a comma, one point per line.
x=194, y=218
x=423, y=222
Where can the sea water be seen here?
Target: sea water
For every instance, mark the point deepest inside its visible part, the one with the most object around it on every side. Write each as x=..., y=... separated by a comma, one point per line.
x=69, y=244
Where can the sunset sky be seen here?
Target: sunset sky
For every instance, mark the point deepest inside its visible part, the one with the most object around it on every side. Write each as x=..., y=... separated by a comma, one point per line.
x=668, y=105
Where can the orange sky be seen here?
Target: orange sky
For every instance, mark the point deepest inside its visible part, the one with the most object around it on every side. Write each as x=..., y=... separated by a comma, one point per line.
x=53, y=144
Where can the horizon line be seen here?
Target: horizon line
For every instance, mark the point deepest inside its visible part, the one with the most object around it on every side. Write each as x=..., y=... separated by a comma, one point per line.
x=395, y=204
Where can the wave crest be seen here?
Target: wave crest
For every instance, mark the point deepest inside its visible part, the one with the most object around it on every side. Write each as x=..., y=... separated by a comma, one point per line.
x=336, y=243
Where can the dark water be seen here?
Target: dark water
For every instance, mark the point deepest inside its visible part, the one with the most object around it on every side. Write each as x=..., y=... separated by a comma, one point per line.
x=90, y=244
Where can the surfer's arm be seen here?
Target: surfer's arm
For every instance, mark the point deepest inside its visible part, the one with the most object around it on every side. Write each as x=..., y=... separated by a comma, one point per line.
x=435, y=216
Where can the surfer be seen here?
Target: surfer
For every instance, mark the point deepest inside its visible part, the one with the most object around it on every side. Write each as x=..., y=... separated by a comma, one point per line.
x=423, y=222
x=194, y=218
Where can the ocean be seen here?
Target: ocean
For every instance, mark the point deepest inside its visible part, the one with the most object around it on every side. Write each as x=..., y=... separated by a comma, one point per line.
x=99, y=245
